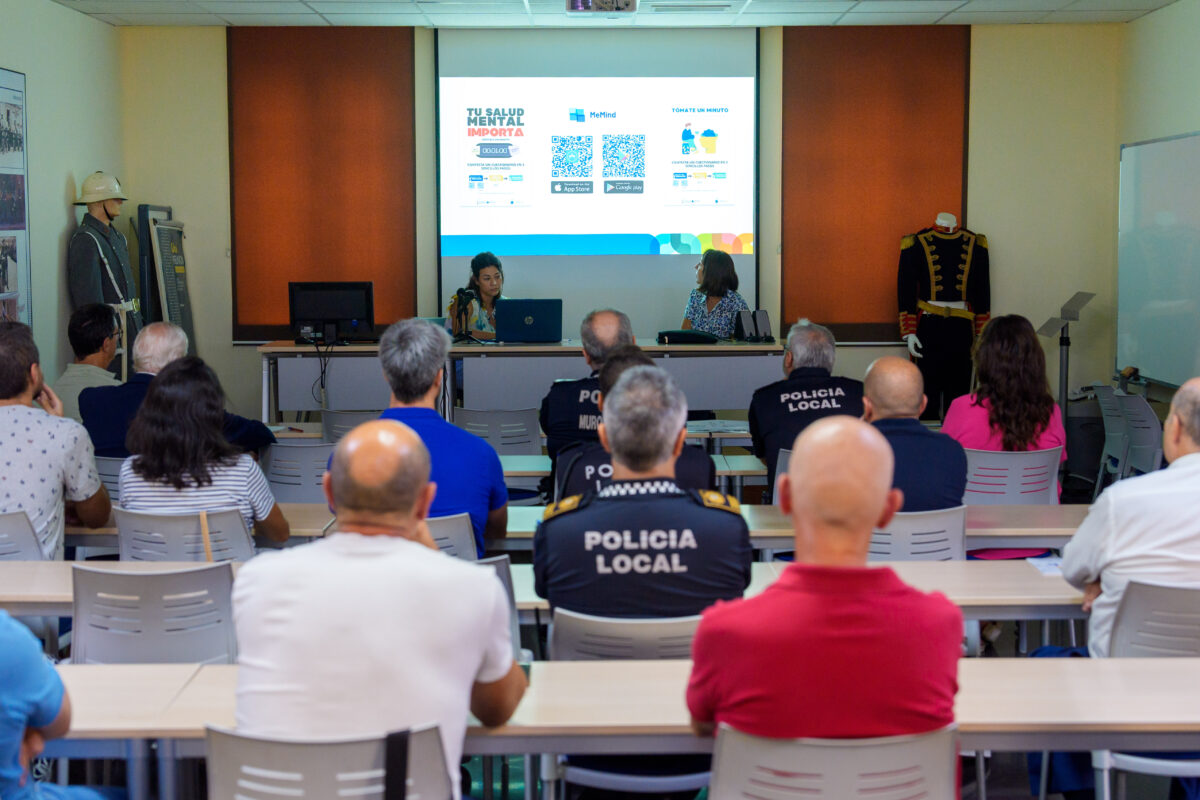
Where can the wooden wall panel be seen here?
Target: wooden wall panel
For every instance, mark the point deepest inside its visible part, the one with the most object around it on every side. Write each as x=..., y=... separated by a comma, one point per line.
x=322, y=168
x=874, y=146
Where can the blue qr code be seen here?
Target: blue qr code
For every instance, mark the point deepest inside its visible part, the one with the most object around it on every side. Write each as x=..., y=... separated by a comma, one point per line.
x=625, y=156
x=572, y=156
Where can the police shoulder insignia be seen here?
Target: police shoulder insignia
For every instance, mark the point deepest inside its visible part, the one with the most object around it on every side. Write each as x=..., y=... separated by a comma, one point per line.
x=720, y=500
x=562, y=506
x=908, y=241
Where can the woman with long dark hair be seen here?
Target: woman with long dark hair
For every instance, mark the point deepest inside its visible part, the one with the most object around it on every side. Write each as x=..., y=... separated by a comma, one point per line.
x=181, y=459
x=1012, y=408
x=484, y=288
x=714, y=304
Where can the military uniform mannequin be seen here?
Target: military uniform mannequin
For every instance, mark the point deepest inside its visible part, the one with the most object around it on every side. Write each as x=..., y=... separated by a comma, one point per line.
x=98, y=266
x=944, y=293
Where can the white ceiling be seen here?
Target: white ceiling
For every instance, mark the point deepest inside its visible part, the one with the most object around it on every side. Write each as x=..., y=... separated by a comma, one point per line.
x=651, y=13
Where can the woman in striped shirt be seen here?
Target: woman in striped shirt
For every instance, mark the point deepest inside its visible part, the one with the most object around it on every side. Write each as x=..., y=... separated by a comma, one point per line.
x=181, y=460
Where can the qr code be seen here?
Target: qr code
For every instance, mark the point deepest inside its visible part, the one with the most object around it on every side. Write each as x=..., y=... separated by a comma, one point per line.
x=572, y=156
x=625, y=156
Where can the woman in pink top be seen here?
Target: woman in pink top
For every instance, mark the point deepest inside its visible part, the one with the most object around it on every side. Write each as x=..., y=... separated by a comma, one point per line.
x=1012, y=408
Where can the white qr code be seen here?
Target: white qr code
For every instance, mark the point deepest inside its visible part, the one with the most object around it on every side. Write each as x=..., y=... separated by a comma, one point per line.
x=624, y=156
x=572, y=156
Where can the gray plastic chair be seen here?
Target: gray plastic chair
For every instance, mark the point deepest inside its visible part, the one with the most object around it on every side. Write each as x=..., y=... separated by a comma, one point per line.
x=294, y=468
x=336, y=424
x=583, y=637
x=922, y=536
x=142, y=536
x=175, y=616
x=998, y=478
x=246, y=767
x=1116, y=437
x=510, y=433
x=18, y=541
x=110, y=476
x=503, y=567
x=1145, y=435
x=749, y=767
x=454, y=536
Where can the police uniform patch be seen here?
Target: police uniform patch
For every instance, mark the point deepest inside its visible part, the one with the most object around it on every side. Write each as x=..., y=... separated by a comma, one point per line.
x=713, y=499
x=562, y=506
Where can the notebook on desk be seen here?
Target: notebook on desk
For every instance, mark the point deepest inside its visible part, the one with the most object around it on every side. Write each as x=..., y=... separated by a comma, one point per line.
x=529, y=321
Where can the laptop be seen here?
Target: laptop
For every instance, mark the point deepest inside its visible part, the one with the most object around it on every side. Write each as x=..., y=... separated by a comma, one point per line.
x=529, y=321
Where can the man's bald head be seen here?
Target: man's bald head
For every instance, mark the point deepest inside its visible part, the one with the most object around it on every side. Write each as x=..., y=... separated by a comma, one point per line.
x=894, y=387
x=379, y=468
x=838, y=487
x=602, y=331
x=1181, y=434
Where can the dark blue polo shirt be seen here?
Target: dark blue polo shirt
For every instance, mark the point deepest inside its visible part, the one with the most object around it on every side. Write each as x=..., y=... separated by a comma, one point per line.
x=931, y=468
x=465, y=468
x=641, y=549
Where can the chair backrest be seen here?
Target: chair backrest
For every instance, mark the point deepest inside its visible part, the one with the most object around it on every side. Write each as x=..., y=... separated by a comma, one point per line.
x=1145, y=435
x=783, y=460
x=583, y=637
x=454, y=536
x=510, y=433
x=749, y=767
x=336, y=424
x=143, y=536
x=245, y=767
x=294, y=469
x=922, y=536
x=997, y=478
x=1155, y=621
x=175, y=616
x=110, y=476
x=503, y=567
x=18, y=541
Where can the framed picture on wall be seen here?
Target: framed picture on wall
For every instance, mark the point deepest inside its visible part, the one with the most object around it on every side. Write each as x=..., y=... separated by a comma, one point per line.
x=15, y=298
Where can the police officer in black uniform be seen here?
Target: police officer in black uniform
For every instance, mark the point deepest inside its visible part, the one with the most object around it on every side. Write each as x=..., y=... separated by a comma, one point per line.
x=587, y=465
x=642, y=546
x=570, y=412
x=779, y=411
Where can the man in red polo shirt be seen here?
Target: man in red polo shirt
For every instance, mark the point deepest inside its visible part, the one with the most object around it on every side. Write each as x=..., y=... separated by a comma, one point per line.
x=834, y=648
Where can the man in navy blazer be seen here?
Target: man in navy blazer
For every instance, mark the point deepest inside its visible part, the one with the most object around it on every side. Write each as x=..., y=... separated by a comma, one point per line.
x=931, y=468
x=108, y=410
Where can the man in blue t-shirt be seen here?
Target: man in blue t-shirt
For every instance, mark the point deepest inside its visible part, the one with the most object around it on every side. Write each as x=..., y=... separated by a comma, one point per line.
x=34, y=707
x=931, y=468
x=464, y=467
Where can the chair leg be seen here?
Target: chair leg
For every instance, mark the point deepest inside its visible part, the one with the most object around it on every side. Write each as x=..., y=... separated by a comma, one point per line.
x=1045, y=633
x=486, y=769
x=1044, y=777
x=531, y=776
x=1122, y=777
x=1071, y=633
x=980, y=776
x=1103, y=784
x=1022, y=637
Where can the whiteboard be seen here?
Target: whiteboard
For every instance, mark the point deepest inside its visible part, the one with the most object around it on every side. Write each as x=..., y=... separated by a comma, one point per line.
x=1158, y=259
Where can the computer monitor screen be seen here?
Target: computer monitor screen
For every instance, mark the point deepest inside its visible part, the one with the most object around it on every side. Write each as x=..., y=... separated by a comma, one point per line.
x=328, y=311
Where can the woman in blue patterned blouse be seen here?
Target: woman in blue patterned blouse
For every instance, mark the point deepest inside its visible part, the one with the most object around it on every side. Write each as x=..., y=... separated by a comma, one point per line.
x=713, y=307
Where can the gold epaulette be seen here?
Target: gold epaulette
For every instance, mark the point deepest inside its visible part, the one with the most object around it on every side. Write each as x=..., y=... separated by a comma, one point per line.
x=908, y=241
x=720, y=500
x=562, y=506
x=981, y=240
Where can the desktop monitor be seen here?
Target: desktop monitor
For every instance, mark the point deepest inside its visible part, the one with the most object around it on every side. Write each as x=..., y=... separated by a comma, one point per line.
x=325, y=312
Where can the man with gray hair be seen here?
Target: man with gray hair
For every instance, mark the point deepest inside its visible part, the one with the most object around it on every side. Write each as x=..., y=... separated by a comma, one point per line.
x=569, y=411
x=106, y=411
x=641, y=546
x=434, y=641
x=465, y=468
x=781, y=410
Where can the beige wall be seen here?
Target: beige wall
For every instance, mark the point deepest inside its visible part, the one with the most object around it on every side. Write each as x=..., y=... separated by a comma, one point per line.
x=1042, y=172
x=1160, y=74
x=72, y=85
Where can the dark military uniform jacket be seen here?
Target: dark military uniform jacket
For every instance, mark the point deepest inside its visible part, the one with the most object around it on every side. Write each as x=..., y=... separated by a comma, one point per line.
x=92, y=246
x=584, y=466
x=641, y=549
x=570, y=413
x=779, y=411
x=949, y=267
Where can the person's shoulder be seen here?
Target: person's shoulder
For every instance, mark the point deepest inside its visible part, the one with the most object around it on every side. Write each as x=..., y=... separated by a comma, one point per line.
x=852, y=385
x=763, y=391
x=568, y=508
x=717, y=502
x=725, y=618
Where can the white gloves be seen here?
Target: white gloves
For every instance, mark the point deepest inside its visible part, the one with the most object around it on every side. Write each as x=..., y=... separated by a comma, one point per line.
x=913, y=345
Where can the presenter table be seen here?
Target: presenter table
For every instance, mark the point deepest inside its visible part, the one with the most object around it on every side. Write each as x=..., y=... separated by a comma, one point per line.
x=987, y=526
x=504, y=376
x=614, y=707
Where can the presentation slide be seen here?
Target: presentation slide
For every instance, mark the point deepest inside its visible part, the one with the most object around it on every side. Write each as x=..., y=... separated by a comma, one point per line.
x=597, y=166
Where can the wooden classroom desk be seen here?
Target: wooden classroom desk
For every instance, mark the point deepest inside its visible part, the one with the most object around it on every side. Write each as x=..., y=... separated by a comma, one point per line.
x=987, y=526
x=306, y=520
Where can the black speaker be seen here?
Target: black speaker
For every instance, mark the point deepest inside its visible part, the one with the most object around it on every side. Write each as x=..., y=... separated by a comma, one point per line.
x=762, y=326
x=743, y=329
